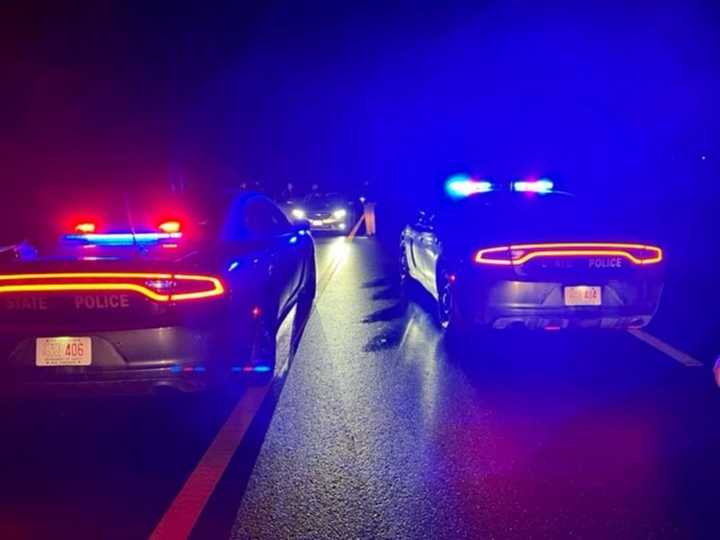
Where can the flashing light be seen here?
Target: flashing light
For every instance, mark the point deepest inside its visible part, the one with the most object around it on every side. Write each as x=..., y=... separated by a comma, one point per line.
x=261, y=369
x=170, y=226
x=293, y=240
x=298, y=213
x=250, y=369
x=543, y=185
x=233, y=266
x=157, y=287
x=461, y=185
x=187, y=369
x=340, y=213
x=256, y=312
x=122, y=239
x=520, y=254
x=85, y=227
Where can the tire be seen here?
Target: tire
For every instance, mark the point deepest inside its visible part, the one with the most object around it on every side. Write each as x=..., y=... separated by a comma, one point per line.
x=450, y=317
x=264, y=348
x=406, y=281
x=307, y=295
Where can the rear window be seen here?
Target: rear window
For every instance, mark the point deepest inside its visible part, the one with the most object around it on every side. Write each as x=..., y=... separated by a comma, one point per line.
x=43, y=217
x=536, y=217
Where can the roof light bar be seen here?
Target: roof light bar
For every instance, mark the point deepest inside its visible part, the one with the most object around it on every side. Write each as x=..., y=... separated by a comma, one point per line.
x=543, y=185
x=462, y=185
x=122, y=239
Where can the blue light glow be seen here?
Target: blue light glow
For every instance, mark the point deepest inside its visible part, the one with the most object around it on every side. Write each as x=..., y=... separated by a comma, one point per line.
x=233, y=266
x=175, y=369
x=293, y=240
x=122, y=239
x=543, y=185
x=248, y=369
x=461, y=185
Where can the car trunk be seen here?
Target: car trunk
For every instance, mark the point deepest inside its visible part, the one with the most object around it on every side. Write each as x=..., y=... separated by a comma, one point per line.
x=62, y=295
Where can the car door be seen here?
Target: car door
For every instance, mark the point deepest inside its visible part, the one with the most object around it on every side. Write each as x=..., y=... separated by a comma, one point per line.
x=425, y=250
x=267, y=223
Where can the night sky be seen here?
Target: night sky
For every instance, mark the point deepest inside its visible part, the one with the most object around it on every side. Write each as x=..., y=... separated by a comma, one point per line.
x=607, y=98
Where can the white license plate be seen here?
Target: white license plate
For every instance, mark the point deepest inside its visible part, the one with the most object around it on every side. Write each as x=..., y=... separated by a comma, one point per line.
x=63, y=351
x=583, y=295
x=316, y=222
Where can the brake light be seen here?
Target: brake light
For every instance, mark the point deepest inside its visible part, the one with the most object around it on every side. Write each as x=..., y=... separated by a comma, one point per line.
x=521, y=253
x=86, y=227
x=157, y=287
x=170, y=227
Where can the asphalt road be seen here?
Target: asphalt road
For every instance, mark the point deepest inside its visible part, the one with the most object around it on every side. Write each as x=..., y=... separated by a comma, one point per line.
x=377, y=429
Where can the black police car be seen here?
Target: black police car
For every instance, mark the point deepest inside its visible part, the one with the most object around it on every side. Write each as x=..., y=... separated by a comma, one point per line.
x=528, y=256
x=147, y=298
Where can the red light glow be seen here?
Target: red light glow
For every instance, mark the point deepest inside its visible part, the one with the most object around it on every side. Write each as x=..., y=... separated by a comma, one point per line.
x=170, y=227
x=86, y=227
x=190, y=287
x=515, y=255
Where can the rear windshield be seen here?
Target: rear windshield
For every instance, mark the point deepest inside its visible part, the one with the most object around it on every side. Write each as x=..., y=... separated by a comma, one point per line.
x=42, y=218
x=535, y=217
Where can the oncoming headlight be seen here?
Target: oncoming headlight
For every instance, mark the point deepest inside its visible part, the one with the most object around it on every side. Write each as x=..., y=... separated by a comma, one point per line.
x=298, y=213
x=339, y=213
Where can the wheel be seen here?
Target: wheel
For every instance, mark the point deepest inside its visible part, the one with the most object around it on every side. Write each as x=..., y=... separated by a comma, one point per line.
x=406, y=281
x=263, y=351
x=307, y=295
x=450, y=316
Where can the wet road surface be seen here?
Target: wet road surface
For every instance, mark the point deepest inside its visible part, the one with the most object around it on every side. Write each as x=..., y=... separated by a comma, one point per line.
x=379, y=429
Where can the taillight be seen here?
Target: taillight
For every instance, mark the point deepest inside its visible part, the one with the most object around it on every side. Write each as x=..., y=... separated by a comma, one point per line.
x=521, y=253
x=157, y=287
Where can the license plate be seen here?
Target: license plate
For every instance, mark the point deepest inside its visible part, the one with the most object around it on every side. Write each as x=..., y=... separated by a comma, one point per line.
x=316, y=222
x=63, y=351
x=583, y=295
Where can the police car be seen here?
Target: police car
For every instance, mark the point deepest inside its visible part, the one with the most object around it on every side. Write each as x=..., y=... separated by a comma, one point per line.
x=528, y=255
x=145, y=299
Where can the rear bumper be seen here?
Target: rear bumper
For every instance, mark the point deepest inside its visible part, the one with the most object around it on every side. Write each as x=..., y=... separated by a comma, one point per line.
x=540, y=305
x=131, y=362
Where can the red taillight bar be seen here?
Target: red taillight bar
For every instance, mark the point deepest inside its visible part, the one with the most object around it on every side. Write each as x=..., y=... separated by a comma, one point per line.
x=193, y=286
x=518, y=254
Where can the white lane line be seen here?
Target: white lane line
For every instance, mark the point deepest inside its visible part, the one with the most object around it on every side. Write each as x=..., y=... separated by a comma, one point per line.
x=180, y=518
x=677, y=355
x=184, y=511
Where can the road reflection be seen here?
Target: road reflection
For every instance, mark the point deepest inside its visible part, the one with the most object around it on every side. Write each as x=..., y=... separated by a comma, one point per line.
x=531, y=427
